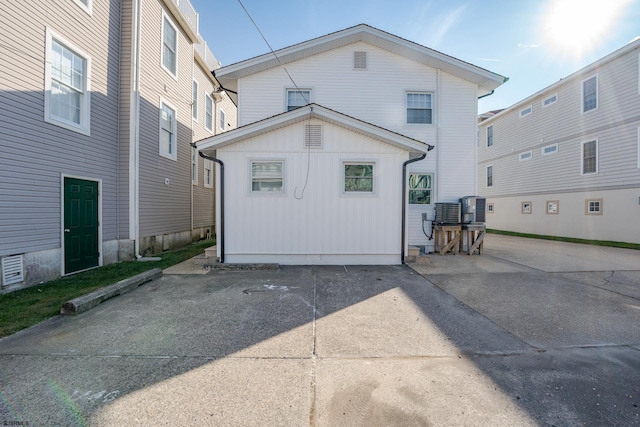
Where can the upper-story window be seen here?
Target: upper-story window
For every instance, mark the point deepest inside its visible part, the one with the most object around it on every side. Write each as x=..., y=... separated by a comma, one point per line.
x=194, y=166
x=222, y=123
x=66, y=85
x=550, y=100
x=208, y=112
x=526, y=111
x=208, y=173
x=359, y=60
x=549, y=149
x=590, y=94
x=590, y=157
x=85, y=4
x=194, y=101
x=169, y=47
x=168, y=130
x=298, y=98
x=419, y=108
x=490, y=136
x=490, y=176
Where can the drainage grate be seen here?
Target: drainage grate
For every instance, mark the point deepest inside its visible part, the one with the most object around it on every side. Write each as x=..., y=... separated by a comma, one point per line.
x=12, y=270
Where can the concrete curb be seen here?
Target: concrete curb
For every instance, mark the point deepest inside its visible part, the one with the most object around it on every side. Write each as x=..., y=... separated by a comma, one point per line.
x=85, y=302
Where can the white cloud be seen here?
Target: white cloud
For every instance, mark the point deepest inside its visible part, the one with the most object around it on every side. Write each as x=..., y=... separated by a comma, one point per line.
x=532, y=45
x=489, y=59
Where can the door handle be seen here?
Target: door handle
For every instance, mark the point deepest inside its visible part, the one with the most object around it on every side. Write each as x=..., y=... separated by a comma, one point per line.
x=66, y=230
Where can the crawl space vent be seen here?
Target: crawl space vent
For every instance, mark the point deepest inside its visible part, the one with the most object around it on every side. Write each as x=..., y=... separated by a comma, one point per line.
x=12, y=270
x=360, y=60
x=313, y=136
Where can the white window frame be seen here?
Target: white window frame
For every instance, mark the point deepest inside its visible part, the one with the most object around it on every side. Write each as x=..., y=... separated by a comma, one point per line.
x=195, y=90
x=194, y=165
x=366, y=60
x=490, y=141
x=86, y=7
x=486, y=181
x=523, y=157
x=587, y=206
x=222, y=118
x=165, y=20
x=85, y=102
x=208, y=99
x=526, y=111
x=430, y=189
x=406, y=105
x=208, y=179
x=374, y=187
x=490, y=208
x=170, y=156
x=553, y=207
x=253, y=192
x=526, y=208
x=543, y=153
x=582, y=144
x=582, y=94
x=544, y=101
x=302, y=90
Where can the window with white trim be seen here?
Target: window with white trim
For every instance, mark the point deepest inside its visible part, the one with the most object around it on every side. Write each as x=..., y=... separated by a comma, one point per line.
x=553, y=207
x=420, y=188
x=194, y=100
x=589, y=157
x=526, y=111
x=593, y=206
x=169, y=46
x=168, y=130
x=358, y=177
x=297, y=98
x=359, y=60
x=526, y=155
x=419, y=108
x=490, y=176
x=590, y=94
x=267, y=176
x=67, y=91
x=208, y=112
x=208, y=173
x=194, y=166
x=86, y=5
x=549, y=149
x=526, y=207
x=490, y=208
x=222, y=122
x=490, y=136
x=550, y=100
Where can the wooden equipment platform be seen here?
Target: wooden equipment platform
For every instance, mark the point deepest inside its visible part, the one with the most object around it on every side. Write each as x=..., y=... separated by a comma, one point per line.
x=448, y=238
x=475, y=237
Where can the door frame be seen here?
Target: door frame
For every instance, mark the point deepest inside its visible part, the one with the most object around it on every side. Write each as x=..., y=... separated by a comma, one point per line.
x=62, y=246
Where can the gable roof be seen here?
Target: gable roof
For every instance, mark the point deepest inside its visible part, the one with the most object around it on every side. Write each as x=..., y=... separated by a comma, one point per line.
x=486, y=80
x=315, y=111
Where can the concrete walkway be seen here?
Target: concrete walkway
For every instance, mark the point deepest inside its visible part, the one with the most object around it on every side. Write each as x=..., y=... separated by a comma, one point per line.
x=519, y=336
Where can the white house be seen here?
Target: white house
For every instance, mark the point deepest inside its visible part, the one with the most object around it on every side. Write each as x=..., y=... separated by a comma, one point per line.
x=565, y=161
x=314, y=173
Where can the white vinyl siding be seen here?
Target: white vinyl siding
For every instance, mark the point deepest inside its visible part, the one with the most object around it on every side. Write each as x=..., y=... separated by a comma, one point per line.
x=590, y=94
x=589, y=154
x=208, y=112
x=419, y=108
x=208, y=173
x=638, y=164
x=490, y=136
x=297, y=98
x=67, y=84
x=267, y=176
x=169, y=46
x=194, y=101
x=168, y=130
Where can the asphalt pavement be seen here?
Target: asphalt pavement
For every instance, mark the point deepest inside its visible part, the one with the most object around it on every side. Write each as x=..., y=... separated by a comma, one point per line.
x=530, y=333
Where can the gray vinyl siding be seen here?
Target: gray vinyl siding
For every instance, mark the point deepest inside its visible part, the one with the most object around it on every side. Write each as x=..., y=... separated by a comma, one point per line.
x=35, y=153
x=126, y=95
x=164, y=208
x=614, y=124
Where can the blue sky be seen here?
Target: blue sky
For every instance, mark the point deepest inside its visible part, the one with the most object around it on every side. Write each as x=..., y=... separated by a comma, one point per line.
x=534, y=43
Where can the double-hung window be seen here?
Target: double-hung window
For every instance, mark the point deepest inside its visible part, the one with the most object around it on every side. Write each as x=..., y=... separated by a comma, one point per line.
x=298, y=98
x=590, y=94
x=590, y=157
x=419, y=189
x=168, y=129
x=169, y=47
x=208, y=112
x=67, y=85
x=419, y=108
x=358, y=177
x=194, y=166
x=208, y=173
x=490, y=136
x=490, y=176
x=222, y=120
x=267, y=176
x=194, y=101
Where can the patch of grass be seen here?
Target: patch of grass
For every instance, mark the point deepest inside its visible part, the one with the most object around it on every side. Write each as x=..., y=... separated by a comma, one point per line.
x=623, y=245
x=27, y=307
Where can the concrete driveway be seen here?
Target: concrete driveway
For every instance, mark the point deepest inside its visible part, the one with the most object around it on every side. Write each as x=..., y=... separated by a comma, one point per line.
x=531, y=333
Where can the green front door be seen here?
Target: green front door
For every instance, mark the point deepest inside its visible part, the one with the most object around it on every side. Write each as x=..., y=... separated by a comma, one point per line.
x=80, y=225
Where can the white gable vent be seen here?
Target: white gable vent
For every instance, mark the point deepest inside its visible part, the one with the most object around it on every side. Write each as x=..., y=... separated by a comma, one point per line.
x=12, y=270
x=313, y=136
x=360, y=60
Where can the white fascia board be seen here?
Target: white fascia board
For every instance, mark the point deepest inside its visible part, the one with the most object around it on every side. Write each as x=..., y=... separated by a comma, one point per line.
x=213, y=143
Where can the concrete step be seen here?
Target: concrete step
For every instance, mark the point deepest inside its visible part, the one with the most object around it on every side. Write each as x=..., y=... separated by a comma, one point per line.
x=211, y=252
x=414, y=251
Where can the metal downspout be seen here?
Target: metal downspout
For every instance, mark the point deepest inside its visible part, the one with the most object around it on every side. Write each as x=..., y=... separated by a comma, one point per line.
x=404, y=196
x=221, y=239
